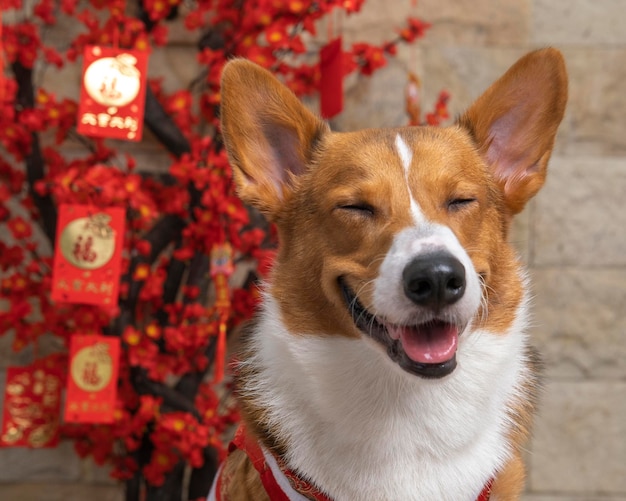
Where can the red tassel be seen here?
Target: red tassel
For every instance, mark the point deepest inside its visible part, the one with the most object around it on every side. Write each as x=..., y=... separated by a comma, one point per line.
x=220, y=353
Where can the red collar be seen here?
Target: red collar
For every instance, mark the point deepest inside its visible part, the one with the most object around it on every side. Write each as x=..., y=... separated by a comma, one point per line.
x=288, y=486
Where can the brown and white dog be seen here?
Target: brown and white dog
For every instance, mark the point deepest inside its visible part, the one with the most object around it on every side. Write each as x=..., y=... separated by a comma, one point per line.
x=390, y=359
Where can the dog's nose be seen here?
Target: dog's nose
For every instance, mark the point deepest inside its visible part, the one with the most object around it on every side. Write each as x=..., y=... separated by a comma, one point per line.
x=435, y=280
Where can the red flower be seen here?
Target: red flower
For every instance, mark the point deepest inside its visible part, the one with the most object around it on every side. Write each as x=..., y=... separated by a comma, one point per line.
x=143, y=247
x=369, y=58
x=20, y=228
x=441, y=110
x=416, y=29
x=162, y=462
x=141, y=272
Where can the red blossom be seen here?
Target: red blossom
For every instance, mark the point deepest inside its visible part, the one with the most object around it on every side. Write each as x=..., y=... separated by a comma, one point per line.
x=20, y=228
x=68, y=6
x=441, y=110
x=416, y=29
x=143, y=247
x=369, y=58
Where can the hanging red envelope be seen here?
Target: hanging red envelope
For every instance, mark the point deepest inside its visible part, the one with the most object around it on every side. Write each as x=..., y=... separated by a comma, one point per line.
x=30, y=413
x=331, y=79
x=88, y=254
x=92, y=379
x=113, y=93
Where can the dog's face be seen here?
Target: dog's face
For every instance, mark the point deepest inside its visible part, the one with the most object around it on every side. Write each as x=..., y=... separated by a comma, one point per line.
x=397, y=244
x=397, y=236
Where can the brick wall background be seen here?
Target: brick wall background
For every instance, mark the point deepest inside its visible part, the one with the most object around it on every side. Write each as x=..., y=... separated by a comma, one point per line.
x=572, y=236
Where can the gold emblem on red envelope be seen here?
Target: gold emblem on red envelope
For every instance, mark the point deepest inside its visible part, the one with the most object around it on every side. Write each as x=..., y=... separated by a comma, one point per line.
x=89, y=242
x=87, y=257
x=92, y=367
x=32, y=399
x=113, y=93
x=113, y=81
x=92, y=381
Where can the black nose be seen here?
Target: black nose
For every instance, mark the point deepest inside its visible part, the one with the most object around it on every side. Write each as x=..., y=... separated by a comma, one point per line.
x=435, y=280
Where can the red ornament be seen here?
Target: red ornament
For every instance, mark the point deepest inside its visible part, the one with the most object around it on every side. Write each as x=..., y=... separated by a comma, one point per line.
x=221, y=269
x=413, y=99
x=32, y=400
x=87, y=256
x=92, y=379
x=113, y=93
x=331, y=79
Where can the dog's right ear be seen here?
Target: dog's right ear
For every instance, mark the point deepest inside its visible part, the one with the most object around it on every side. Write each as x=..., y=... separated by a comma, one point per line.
x=514, y=123
x=269, y=135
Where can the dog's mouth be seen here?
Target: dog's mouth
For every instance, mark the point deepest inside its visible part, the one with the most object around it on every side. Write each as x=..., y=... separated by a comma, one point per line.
x=427, y=350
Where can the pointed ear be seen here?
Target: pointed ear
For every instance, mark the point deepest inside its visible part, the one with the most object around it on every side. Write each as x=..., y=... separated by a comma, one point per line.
x=269, y=135
x=515, y=122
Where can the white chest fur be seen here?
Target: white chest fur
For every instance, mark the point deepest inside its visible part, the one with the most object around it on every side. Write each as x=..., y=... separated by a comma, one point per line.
x=363, y=429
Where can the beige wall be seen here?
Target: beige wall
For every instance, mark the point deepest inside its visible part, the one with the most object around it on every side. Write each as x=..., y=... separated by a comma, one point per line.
x=572, y=236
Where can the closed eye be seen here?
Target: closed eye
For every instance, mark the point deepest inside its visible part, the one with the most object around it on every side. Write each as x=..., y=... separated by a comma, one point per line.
x=362, y=208
x=459, y=203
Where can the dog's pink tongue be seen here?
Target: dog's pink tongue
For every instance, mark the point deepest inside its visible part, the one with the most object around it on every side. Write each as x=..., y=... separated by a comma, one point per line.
x=431, y=343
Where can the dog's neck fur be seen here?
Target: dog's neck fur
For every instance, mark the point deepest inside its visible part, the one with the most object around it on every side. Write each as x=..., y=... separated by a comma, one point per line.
x=360, y=428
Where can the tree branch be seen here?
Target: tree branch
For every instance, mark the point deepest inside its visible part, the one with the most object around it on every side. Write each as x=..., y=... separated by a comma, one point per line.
x=201, y=478
x=34, y=160
x=163, y=127
x=165, y=231
x=172, y=487
x=171, y=398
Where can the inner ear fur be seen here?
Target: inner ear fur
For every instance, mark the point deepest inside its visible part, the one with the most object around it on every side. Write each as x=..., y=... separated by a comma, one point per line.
x=269, y=134
x=515, y=121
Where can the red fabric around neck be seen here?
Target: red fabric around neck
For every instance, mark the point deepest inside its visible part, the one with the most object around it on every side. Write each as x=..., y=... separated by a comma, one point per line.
x=246, y=443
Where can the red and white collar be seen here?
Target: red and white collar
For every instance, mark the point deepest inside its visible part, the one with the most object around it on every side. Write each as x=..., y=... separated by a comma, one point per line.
x=280, y=483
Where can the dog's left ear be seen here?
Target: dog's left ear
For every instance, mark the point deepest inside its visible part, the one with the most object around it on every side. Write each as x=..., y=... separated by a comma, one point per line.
x=269, y=134
x=515, y=122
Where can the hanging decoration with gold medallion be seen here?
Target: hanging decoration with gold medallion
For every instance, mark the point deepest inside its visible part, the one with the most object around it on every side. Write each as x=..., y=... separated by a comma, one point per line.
x=87, y=257
x=32, y=401
x=92, y=379
x=113, y=93
x=221, y=269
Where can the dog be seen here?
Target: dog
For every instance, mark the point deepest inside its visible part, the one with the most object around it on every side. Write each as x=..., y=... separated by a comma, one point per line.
x=390, y=358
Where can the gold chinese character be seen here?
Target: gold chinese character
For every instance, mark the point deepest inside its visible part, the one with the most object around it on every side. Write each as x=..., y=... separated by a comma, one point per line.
x=103, y=119
x=130, y=123
x=90, y=374
x=62, y=284
x=89, y=119
x=117, y=122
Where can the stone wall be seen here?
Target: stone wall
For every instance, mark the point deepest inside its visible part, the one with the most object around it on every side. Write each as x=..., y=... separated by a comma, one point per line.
x=572, y=236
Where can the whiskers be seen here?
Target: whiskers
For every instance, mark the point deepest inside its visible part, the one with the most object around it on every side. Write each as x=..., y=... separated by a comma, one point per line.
x=356, y=306
x=484, y=298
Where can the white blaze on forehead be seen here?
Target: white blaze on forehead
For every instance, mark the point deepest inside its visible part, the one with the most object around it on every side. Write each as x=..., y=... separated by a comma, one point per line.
x=406, y=156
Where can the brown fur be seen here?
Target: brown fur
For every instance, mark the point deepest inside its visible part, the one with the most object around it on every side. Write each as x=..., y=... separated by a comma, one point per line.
x=240, y=480
x=287, y=163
